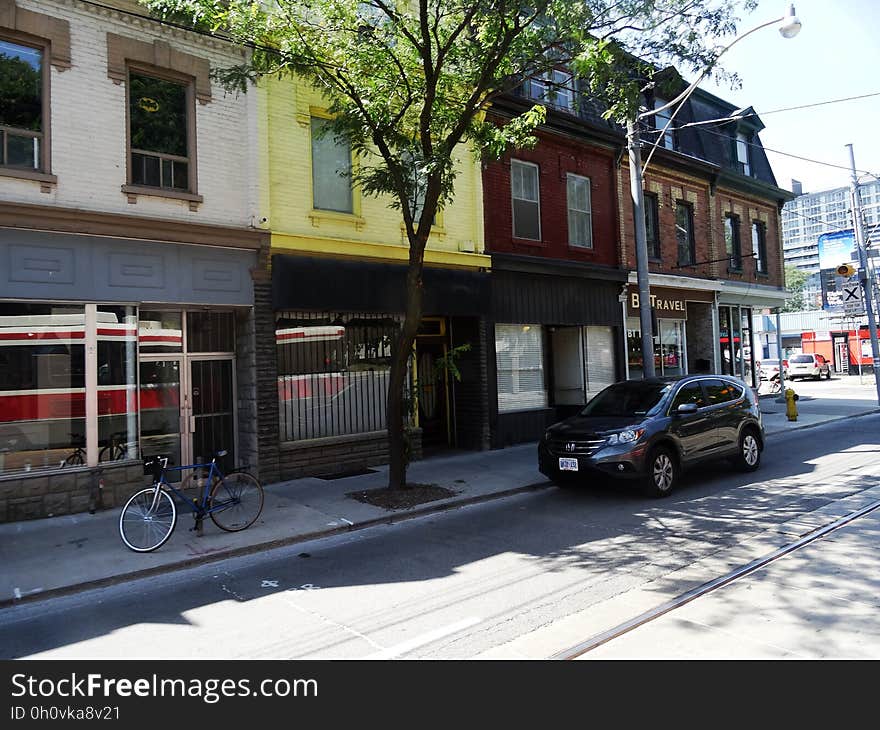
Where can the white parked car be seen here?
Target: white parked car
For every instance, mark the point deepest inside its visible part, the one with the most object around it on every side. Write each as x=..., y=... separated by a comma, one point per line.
x=808, y=365
x=769, y=369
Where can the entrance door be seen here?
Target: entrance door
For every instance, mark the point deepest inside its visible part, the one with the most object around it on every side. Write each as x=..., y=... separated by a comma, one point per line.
x=212, y=410
x=431, y=391
x=841, y=355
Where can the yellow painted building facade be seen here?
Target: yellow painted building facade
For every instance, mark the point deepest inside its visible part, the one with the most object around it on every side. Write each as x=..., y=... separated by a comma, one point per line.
x=372, y=230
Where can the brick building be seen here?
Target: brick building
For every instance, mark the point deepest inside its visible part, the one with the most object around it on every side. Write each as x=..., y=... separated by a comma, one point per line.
x=127, y=203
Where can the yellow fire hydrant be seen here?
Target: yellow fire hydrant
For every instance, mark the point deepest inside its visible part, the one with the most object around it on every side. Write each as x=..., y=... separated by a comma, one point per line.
x=790, y=407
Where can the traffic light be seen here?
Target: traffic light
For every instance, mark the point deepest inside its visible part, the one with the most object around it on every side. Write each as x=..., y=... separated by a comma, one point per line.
x=846, y=270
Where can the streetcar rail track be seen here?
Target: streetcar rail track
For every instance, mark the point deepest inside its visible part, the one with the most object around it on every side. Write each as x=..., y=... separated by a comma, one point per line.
x=573, y=652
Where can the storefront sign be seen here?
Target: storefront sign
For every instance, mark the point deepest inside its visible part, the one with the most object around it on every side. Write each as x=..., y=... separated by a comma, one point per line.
x=667, y=303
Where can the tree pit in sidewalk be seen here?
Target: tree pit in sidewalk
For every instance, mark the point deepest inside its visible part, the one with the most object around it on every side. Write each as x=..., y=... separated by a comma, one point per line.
x=411, y=495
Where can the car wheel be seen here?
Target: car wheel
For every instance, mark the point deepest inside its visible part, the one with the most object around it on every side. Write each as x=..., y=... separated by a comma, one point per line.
x=749, y=456
x=662, y=472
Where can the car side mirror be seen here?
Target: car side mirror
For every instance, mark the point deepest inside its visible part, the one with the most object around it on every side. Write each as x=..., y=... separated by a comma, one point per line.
x=686, y=409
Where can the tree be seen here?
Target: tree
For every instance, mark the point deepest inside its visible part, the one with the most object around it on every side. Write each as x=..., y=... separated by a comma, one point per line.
x=795, y=280
x=408, y=83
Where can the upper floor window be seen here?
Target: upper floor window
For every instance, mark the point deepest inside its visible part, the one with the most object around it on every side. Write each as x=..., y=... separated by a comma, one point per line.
x=742, y=154
x=731, y=242
x=22, y=100
x=652, y=225
x=684, y=233
x=661, y=119
x=554, y=88
x=580, y=219
x=331, y=169
x=525, y=192
x=759, y=246
x=161, y=132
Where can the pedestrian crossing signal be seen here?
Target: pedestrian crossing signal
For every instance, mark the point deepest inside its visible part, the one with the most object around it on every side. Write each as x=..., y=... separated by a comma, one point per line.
x=846, y=270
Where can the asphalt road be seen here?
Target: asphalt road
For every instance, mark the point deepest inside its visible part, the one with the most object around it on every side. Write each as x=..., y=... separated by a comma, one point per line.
x=458, y=584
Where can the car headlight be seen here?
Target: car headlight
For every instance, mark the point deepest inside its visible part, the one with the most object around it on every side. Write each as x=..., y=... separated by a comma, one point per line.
x=628, y=436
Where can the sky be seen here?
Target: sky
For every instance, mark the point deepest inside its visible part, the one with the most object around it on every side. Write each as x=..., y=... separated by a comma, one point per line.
x=835, y=55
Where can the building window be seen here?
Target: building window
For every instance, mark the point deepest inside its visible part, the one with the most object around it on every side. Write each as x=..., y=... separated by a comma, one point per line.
x=333, y=372
x=554, y=88
x=661, y=119
x=117, y=383
x=684, y=233
x=580, y=220
x=331, y=169
x=22, y=105
x=600, y=359
x=652, y=225
x=526, y=200
x=759, y=246
x=742, y=154
x=731, y=242
x=519, y=356
x=45, y=385
x=42, y=386
x=160, y=139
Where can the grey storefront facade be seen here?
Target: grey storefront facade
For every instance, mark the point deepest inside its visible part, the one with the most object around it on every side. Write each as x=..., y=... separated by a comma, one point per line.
x=115, y=347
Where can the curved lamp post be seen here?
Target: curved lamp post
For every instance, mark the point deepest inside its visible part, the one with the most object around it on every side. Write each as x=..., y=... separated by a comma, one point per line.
x=789, y=26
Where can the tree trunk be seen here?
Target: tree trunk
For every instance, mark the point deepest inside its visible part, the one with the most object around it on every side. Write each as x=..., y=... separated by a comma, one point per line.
x=397, y=446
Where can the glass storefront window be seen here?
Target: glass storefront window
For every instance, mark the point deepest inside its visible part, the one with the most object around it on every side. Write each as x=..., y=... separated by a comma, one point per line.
x=42, y=386
x=669, y=348
x=333, y=373
x=519, y=355
x=160, y=332
x=117, y=383
x=210, y=332
x=672, y=346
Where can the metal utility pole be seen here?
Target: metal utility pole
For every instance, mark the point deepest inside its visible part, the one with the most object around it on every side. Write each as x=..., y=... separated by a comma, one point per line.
x=867, y=284
x=638, y=198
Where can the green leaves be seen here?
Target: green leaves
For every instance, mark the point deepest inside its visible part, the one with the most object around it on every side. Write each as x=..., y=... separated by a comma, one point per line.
x=408, y=82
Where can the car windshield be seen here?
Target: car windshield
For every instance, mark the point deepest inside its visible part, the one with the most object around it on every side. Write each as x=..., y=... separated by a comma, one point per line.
x=802, y=358
x=632, y=399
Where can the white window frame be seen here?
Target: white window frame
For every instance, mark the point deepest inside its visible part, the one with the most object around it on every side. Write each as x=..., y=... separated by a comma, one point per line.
x=569, y=178
x=312, y=140
x=667, y=139
x=513, y=198
x=742, y=153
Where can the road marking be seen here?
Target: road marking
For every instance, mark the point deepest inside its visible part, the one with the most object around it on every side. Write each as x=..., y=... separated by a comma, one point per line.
x=395, y=651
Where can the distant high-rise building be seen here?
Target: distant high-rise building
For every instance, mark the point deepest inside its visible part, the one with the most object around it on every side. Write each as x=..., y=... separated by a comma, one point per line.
x=810, y=215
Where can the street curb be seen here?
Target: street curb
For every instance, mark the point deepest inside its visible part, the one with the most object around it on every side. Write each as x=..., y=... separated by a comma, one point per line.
x=822, y=423
x=391, y=519
x=444, y=506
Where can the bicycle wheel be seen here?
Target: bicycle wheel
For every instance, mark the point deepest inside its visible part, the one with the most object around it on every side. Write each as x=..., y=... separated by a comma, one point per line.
x=111, y=453
x=75, y=459
x=237, y=501
x=143, y=529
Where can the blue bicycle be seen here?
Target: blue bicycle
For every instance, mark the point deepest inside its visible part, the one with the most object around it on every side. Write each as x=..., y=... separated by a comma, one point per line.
x=233, y=501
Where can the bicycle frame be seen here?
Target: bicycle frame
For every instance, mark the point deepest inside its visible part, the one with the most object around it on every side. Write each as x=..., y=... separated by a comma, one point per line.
x=197, y=506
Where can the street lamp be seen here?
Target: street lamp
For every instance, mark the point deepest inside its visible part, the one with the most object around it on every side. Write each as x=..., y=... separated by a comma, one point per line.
x=789, y=26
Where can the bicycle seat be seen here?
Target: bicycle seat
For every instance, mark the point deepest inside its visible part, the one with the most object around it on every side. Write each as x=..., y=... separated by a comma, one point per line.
x=221, y=453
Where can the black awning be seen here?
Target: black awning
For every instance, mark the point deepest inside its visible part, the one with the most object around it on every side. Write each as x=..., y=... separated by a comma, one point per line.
x=305, y=282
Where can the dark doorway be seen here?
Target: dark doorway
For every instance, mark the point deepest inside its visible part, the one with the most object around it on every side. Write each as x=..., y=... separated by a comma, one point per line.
x=432, y=387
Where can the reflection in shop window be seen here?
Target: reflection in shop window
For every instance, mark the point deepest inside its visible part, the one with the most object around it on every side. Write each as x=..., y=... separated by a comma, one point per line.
x=117, y=383
x=333, y=373
x=160, y=332
x=42, y=385
x=519, y=356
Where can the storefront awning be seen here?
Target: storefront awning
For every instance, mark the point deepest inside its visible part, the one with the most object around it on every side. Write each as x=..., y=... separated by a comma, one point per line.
x=305, y=282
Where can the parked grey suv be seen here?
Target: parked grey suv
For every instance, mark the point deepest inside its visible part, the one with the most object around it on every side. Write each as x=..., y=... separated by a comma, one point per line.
x=654, y=429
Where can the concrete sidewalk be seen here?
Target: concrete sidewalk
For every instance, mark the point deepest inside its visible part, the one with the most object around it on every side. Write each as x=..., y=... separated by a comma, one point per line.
x=43, y=558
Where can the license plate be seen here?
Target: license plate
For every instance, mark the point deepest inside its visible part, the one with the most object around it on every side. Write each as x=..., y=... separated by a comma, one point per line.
x=568, y=464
